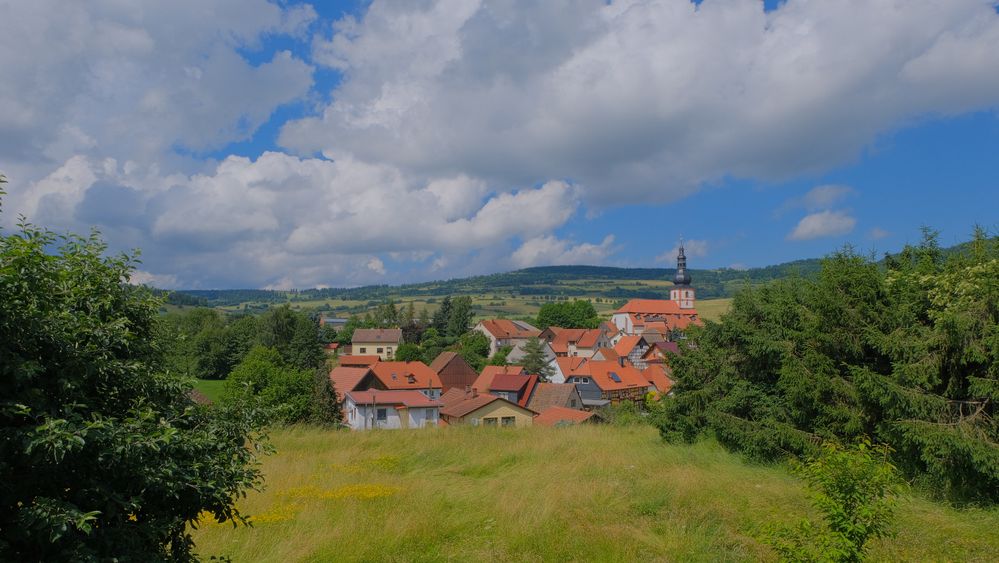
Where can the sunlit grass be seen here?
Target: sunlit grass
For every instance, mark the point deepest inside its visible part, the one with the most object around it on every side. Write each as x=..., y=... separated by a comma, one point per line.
x=540, y=494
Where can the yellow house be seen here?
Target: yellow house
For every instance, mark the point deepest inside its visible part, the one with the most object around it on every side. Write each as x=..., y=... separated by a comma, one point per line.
x=487, y=410
x=381, y=342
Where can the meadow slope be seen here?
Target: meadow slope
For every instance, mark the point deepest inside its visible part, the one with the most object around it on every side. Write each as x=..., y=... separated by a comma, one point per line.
x=540, y=494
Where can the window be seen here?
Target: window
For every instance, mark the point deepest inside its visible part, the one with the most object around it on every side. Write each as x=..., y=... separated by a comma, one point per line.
x=491, y=421
x=509, y=421
x=586, y=381
x=430, y=414
x=381, y=415
x=572, y=403
x=363, y=350
x=380, y=350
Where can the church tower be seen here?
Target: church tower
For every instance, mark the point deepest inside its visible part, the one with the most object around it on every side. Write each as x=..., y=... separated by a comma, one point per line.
x=682, y=293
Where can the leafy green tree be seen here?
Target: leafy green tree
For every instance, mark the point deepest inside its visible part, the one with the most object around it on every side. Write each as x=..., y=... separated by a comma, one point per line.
x=535, y=361
x=409, y=353
x=500, y=357
x=264, y=380
x=578, y=313
x=102, y=456
x=305, y=350
x=345, y=334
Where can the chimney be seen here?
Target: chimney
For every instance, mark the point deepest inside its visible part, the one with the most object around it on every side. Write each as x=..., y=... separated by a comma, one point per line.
x=475, y=392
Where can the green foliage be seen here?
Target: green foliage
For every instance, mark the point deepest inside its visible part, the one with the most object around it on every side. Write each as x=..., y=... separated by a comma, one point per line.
x=500, y=357
x=266, y=381
x=625, y=413
x=906, y=352
x=568, y=314
x=409, y=353
x=854, y=489
x=460, y=317
x=534, y=360
x=102, y=456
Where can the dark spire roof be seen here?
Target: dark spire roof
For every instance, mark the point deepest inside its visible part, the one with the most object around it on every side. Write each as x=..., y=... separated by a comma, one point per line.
x=682, y=277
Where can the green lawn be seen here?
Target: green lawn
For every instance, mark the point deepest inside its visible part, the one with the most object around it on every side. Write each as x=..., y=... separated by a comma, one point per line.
x=541, y=494
x=211, y=388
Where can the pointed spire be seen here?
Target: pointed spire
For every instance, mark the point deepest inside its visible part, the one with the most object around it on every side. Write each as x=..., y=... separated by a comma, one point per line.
x=681, y=277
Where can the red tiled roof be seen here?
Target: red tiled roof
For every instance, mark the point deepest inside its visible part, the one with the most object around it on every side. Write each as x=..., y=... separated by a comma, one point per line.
x=355, y=361
x=650, y=307
x=454, y=395
x=332, y=345
x=657, y=376
x=554, y=415
x=628, y=377
x=551, y=395
x=504, y=329
x=346, y=379
x=409, y=399
x=484, y=380
x=504, y=382
x=608, y=354
x=584, y=338
x=406, y=375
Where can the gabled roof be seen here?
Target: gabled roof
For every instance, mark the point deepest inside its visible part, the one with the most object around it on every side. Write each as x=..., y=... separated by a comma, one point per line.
x=657, y=376
x=383, y=335
x=583, y=337
x=572, y=366
x=409, y=399
x=442, y=360
x=485, y=379
x=355, y=361
x=627, y=344
x=650, y=307
x=468, y=406
x=611, y=376
x=454, y=395
x=555, y=415
x=551, y=395
x=509, y=383
x=606, y=354
x=345, y=379
x=505, y=329
x=406, y=375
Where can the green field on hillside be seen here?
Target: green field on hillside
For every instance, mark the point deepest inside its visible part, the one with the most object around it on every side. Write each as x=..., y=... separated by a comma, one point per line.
x=542, y=494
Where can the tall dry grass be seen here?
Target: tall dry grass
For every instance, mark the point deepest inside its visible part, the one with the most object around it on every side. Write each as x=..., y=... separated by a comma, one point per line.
x=540, y=494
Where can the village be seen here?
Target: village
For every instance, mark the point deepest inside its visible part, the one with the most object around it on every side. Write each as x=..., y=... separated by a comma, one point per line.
x=624, y=359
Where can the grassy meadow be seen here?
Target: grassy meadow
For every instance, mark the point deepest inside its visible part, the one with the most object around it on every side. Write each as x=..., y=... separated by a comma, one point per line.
x=211, y=388
x=598, y=493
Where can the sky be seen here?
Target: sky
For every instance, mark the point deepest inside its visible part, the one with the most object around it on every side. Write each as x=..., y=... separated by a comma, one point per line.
x=256, y=144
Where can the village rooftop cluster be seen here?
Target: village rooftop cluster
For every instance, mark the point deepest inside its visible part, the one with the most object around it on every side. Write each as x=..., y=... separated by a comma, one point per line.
x=624, y=359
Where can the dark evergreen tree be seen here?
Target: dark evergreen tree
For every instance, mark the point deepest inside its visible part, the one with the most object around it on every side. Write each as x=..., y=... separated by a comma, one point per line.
x=535, y=361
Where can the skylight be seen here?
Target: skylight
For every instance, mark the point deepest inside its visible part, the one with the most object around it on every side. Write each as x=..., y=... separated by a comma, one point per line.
x=615, y=377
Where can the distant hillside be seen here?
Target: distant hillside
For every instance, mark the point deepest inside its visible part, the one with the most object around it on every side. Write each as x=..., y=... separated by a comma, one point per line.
x=565, y=281
x=602, y=283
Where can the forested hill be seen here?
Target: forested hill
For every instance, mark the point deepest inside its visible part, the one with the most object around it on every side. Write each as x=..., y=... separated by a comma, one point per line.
x=593, y=281
x=554, y=281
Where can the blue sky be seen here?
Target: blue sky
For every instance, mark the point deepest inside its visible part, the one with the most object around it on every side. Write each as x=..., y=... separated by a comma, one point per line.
x=295, y=145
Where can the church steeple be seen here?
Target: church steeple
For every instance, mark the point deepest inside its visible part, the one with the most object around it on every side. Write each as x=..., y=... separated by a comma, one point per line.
x=681, y=292
x=682, y=277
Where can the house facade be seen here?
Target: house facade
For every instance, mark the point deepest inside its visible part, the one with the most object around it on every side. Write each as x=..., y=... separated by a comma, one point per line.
x=487, y=410
x=453, y=371
x=609, y=383
x=366, y=410
x=381, y=342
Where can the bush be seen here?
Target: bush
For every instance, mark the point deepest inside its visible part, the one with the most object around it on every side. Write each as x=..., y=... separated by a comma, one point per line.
x=854, y=489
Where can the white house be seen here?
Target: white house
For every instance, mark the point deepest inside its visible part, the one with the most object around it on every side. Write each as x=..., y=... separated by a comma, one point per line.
x=503, y=332
x=363, y=410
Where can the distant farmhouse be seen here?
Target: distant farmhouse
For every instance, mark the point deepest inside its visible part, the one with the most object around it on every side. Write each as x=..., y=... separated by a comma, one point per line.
x=503, y=332
x=382, y=342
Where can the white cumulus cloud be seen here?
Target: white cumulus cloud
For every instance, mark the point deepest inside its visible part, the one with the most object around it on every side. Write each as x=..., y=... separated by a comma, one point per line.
x=823, y=224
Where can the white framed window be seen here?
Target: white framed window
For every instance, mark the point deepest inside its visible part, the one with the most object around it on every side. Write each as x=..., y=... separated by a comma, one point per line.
x=380, y=350
x=363, y=350
x=586, y=380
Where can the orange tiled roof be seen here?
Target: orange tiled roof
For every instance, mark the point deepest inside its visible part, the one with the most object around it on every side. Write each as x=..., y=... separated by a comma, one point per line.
x=406, y=375
x=504, y=329
x=409, y=399
x=554, y=415
x=626, y=345
x=346, y=379
x=650, y=307
x=377, y=335
x=628, y=377
x=356, y=361
x=571, y=366
x=657, y=376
